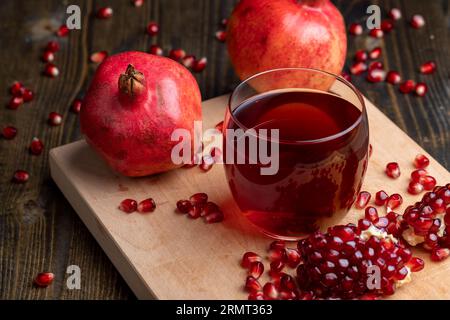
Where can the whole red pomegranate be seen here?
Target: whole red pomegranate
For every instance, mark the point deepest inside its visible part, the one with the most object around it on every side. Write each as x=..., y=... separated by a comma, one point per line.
x=271, y=34
x=134, y=103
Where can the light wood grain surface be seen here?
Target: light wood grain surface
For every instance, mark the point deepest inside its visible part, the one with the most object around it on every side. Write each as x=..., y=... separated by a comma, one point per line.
x=166, y=255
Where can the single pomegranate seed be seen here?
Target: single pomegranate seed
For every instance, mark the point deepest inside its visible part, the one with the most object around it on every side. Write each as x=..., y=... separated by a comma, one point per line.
x=98, y=57
x=371, y=214
x=105, y=13
x=439, y=254
x=256, y=295
x=36, y=146
x=293, y=257
x=395, y=14
x=376, y=75
x=376, y=33
x=277, y=255
x=387, y=25
x=188, y=61
x=76, y=106
x=62, y=31
x=362, y=199
x=277, y=244
x=355, y=29
x=252, y=285
x=9, y=132
x=128, y=205
x=256, y=269
x=195, y=212
x=28, y=95
x=415, y=187
x=421, y=161
x=428, y=182
x=224, y=22
x=177, y=54
x=221, y=35
x=156, y=50
x=277, y=266
x=407, y=86
x=416, y=175
x=199, y=65
x=346, y=76
x=393, y=170
x=421, y=89
x=16, y=89
x=54, y=119
x=147, y=205
x=209, y=208
x=270, y=291
x=361, y=55
x=248, y=258
x=417, y=21
x=358, y=68
x=375, y=53
x=214, y=217
x=21, y=176
x=48, y=56
x=428, y=67
x=184, y=206
x=393, y=202
x=152, y=28
x=138, y=3
x=381, y=198
x=393, y=77
x=52, y=46
x=51, y=70
x=199, y=199
x=375, y=65
x=44, y=279
x=431, y=241
x=415, y=264
x=15, y=103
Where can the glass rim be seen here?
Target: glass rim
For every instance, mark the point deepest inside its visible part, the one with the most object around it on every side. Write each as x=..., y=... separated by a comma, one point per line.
x=312, y=141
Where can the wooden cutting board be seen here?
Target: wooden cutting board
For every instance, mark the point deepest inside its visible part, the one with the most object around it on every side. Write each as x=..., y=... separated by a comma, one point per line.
x=166, y=255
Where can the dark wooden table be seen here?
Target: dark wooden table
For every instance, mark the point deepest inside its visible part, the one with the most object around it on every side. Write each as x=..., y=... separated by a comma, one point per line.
x=38, y=228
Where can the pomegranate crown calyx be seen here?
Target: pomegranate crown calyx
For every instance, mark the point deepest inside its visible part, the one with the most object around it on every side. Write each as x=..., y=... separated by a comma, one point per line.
x=132, y=82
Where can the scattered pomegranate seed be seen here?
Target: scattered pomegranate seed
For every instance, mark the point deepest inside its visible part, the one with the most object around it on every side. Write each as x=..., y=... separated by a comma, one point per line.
x=362, y=199
x=54, y=119
x=387, y=25
x=177, y=54
x=214, y=217
x=256, y=269
x=147, y=205
x=48, y=56
x=9, y=132
x=36, y=146
x=152, y=28
x=346, y=76
x=128, y=205
x=428, y=67
x=224, y=22
x=51, y=70
x=98, y=57
x=428, y=182
x=63, y=31
x=221, y=35
x=417, y=21
x=15, y=103
x=44, y=279
x=293, y=258
x=138, y=3
x=376, y=75
x=416, y=264
x=52, y=46
x=393, y=170
x=376, y=33
x=199, y=198
x=407, y=87
x=76, y=105
x=16, y=89
x=355, y=29
x=421, y=161
x=188, y=61
x=395, y=14
x=21, y=176
x=361, y=55
x=199, y=65
x=421, y=89
x=415, y=187
x=184, y=206
x=393, y=202
x=270, y=291
x=277, y=244
x=105, y=13
x=371, y=214
x=375, y=65
x=393, y=77
x=375, y=53
x=416, y=175
x=439, y=254
x=28, y=95
x=156, y=50
x=252, y=285
x=358, y=68
x=248, y=258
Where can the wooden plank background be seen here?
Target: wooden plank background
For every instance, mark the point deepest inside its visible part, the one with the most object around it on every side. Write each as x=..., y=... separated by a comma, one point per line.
x=38, y=228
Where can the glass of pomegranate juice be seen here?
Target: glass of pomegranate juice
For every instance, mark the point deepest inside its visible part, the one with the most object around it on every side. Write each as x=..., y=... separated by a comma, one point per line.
x=295, y=150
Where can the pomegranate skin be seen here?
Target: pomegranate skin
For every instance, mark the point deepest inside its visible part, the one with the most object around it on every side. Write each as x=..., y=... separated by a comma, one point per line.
x=271, y=34
x=133, y=132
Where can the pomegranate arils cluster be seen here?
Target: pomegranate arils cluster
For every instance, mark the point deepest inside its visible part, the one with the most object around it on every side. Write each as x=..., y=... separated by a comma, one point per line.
x=48, y=56
x=20, y=94
x=131, y=205
x=199, y=206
